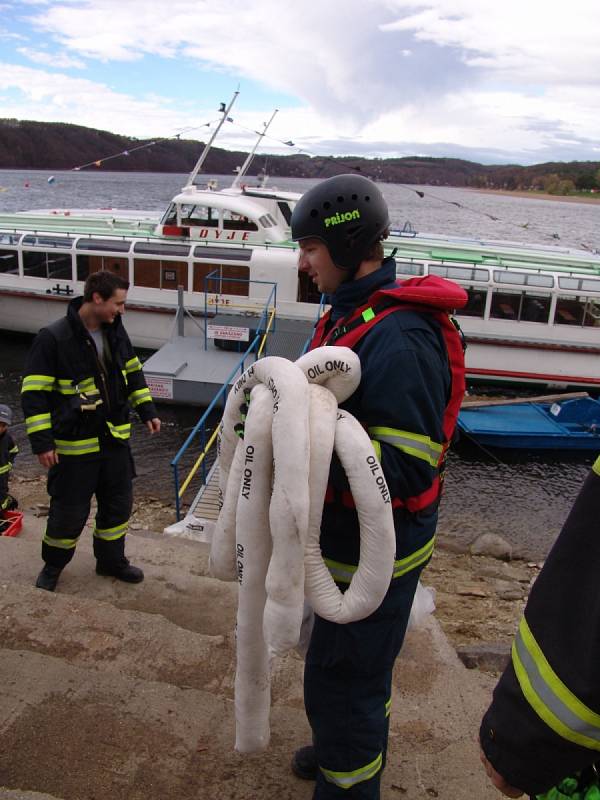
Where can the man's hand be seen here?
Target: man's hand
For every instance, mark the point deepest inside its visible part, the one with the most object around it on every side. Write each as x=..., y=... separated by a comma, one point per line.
x=153, y=425
x=497, y=779
x=48, y=459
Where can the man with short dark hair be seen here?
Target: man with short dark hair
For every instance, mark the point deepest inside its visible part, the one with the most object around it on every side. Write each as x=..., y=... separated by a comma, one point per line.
x=81, y=378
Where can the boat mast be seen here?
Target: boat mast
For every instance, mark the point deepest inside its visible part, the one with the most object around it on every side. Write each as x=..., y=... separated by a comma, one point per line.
x=202, y=159
x=244, y=168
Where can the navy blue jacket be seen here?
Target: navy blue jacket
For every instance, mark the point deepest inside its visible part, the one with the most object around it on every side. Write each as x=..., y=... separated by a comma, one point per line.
x=405, y=384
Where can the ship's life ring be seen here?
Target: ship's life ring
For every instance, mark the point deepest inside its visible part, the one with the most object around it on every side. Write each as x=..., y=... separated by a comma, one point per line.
x=273, y=484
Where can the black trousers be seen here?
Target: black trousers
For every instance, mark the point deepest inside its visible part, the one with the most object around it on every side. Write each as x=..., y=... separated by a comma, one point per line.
x=347, y=694
x=71, y=485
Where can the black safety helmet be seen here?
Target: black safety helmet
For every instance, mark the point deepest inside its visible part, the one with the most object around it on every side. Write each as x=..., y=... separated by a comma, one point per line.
x=347, y=213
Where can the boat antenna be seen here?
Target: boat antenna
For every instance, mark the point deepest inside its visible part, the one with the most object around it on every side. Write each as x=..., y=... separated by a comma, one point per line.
x=244, y=168
x=225, y=115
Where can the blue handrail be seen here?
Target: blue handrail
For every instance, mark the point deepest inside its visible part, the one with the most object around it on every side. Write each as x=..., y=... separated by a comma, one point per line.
x=200, y=426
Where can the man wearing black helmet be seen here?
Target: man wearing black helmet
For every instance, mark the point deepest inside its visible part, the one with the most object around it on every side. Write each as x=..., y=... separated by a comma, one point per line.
x=412, y=383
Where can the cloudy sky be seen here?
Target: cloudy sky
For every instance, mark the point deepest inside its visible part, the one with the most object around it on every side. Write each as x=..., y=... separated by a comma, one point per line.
x=515, y=81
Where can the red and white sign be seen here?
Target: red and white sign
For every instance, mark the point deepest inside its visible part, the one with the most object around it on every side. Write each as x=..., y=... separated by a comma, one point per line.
x=228, y=332
x=160, y=388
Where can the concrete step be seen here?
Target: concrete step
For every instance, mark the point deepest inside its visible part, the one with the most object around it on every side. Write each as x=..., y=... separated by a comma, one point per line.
x=125, y=691
x=83, y=734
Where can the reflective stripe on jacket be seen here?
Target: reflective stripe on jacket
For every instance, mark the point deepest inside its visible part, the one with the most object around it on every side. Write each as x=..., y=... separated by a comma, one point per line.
x=71, y=399
x=435, y=297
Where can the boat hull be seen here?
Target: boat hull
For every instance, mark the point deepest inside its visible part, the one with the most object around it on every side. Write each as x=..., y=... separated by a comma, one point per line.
x=571, y=425
x=489, y=361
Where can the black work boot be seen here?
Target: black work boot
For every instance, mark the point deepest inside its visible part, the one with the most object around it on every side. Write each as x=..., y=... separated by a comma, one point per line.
x=48, y=578
x=304, y=763
x=122, y=570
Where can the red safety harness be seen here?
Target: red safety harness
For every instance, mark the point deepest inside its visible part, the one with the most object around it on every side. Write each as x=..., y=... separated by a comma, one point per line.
x=427, y=295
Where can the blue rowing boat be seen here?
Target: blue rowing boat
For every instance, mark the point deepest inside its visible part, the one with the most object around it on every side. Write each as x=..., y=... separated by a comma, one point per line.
x=568, y=425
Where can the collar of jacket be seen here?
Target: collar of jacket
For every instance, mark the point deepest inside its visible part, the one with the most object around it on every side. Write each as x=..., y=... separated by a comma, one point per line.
x=351, y=294
x=77, y=323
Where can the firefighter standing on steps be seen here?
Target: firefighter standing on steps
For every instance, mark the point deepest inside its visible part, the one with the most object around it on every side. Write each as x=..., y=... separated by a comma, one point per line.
x=412, y=383
x=81, y=378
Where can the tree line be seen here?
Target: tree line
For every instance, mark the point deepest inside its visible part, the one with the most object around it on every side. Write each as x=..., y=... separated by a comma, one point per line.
x=26, y=144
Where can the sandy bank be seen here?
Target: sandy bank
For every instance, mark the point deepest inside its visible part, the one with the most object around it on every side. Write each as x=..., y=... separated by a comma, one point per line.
x=592, y=199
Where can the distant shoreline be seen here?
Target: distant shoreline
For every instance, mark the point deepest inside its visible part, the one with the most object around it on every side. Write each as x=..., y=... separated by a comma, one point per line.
x=537, y=195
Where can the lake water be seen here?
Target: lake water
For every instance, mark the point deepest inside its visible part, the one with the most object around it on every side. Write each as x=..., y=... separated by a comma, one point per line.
x=524, y=497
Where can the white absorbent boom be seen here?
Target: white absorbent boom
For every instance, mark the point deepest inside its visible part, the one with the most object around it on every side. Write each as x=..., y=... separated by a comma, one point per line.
x=272, y=486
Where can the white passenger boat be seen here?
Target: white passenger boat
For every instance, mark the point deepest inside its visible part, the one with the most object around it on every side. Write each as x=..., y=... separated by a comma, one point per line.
x=533, y=314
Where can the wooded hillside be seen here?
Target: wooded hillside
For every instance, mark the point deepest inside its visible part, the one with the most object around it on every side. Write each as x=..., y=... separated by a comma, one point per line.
x=49, y=145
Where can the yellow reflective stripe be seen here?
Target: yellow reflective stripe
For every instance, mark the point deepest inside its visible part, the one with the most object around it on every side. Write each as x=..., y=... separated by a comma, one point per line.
x=39, y=422
x=133, y=365
x=413, y=444
x=5, y=468
x=552, y=701
x=88, y=385
x=77, y=447
x=596, y=467
x=37, y=383
x=420, y=556
x=141, y=396
x=110, y=534
x=65, y=386
x=120, y=431
x=64, y=544
x=343, y=573
x=345, y=780
x=377, y=448
x=388, y=707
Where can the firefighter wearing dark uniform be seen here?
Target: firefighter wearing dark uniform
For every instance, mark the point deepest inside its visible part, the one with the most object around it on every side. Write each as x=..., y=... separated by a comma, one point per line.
x=543, y=725
x=81, y=378
x=412, y=382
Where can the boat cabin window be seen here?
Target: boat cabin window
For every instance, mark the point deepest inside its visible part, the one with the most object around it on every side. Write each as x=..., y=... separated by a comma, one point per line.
x=204, y=216
x=88, y=264
x=10, y=238
x=476, y=303
x=227, y=279
x=155, y=273
x=286, y=211
x=409, y=268
x=524, y=278
x=582, y=311
x=267, y=221
x=459, y=273
x=583, y=284
x=520, y=306
x=159, y=249
x=116, y=245
x=237, y=222
x=38, y=264
x=48, y=241
x=223, y=253
x=9, y=262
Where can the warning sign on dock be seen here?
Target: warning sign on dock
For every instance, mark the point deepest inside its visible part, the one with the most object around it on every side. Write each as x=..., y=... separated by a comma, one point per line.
x=229, y=332
x=160, y=388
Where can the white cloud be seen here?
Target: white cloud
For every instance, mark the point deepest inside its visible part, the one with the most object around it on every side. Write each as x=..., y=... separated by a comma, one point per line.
x=57, y=60
x=499, y=78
